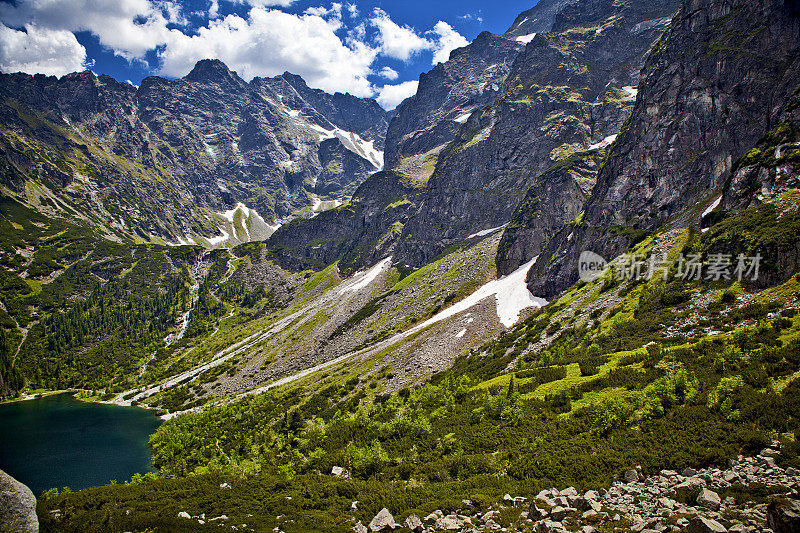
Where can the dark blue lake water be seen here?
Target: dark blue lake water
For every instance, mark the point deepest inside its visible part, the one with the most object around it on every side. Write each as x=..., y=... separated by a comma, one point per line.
x=59, y=441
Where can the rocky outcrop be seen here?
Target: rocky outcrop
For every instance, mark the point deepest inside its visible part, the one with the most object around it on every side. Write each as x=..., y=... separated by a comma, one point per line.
x=557, y=197
x=17, y=507
x=538, y=19
x=716, y=82
x=359, y=233
x=567, y=92
x=446, y=95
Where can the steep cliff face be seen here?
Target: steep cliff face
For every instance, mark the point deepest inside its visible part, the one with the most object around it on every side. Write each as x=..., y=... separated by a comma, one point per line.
x=538, y=19
x=556, y=197
x=359, y=233
x=715, y=83
x=567, y=92
x=446, y=96
x=358, y=115
x=103, y=150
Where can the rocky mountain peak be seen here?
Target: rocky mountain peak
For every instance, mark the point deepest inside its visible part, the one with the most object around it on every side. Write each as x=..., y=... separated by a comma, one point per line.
x=211, y=70
x=538, y=19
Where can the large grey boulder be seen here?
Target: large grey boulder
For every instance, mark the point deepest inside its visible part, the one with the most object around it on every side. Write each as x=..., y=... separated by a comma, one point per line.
x=709, y=499
x=383, y=521
x=701, y=524
x=17, y=507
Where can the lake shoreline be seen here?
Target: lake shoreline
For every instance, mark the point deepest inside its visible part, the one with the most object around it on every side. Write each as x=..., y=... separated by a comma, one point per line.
x=74, y=393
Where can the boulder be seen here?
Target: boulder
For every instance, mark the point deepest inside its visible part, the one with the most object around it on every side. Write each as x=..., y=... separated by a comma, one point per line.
x=558, y=513
x=689, y=472
x=450, y=523
x=434, y=516
x=492, y=525
x=17, y=507
x=691, y=483
x=337, y=471
x=548, y=526
x=360, y=528
x=414, y=523
x=784, y=516
x=631, y=476
x=383, y=521
x=700, y=524
x=709, y=499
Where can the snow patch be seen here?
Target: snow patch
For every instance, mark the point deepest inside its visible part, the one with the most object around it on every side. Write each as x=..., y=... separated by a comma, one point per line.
x=354, y=143
x=462, y=118
x=711, y=208
x=486, y=232
x=605, y=142
x=213, y=241
x=361, y=280
x=526, y=38
x=630, y=92
x=461, y=333
x=511, y=297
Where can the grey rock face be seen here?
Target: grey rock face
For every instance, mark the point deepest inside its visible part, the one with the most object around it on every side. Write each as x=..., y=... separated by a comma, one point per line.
x=426, y=122
x=555, y=198
x=359, y=233
x=705, y=98
x=538, y=19
x=563, y=95
x=17, y=507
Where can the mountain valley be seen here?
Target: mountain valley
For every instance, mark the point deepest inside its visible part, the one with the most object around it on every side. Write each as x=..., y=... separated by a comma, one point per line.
x=339, y=311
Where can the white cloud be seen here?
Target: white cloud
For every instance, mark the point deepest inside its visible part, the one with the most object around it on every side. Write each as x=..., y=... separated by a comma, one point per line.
x=389, y=73
x=390, y=96
x=447, y=41
x=270, y=42
x=130, y=28
x=398, y=42
x=36, y=50
x=262, y=42
x=265, y=3
x=334, y=11
x=477, y=17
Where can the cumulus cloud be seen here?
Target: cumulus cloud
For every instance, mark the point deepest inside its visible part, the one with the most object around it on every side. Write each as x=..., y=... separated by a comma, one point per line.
x=390, y=96
x=265, y=3
x=389, y=73
x=447, y=40
x=36, y=50
x=130, y=28
x=270, y=42
x=398, y=42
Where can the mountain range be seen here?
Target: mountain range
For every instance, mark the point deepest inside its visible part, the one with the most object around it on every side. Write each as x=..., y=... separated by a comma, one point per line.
x=303, y=283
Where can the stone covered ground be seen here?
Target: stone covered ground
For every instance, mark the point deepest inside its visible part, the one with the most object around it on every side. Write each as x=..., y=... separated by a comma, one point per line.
x=752, y=494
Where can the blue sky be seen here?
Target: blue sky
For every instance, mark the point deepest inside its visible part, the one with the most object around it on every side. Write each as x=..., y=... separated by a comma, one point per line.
x=368, y=48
